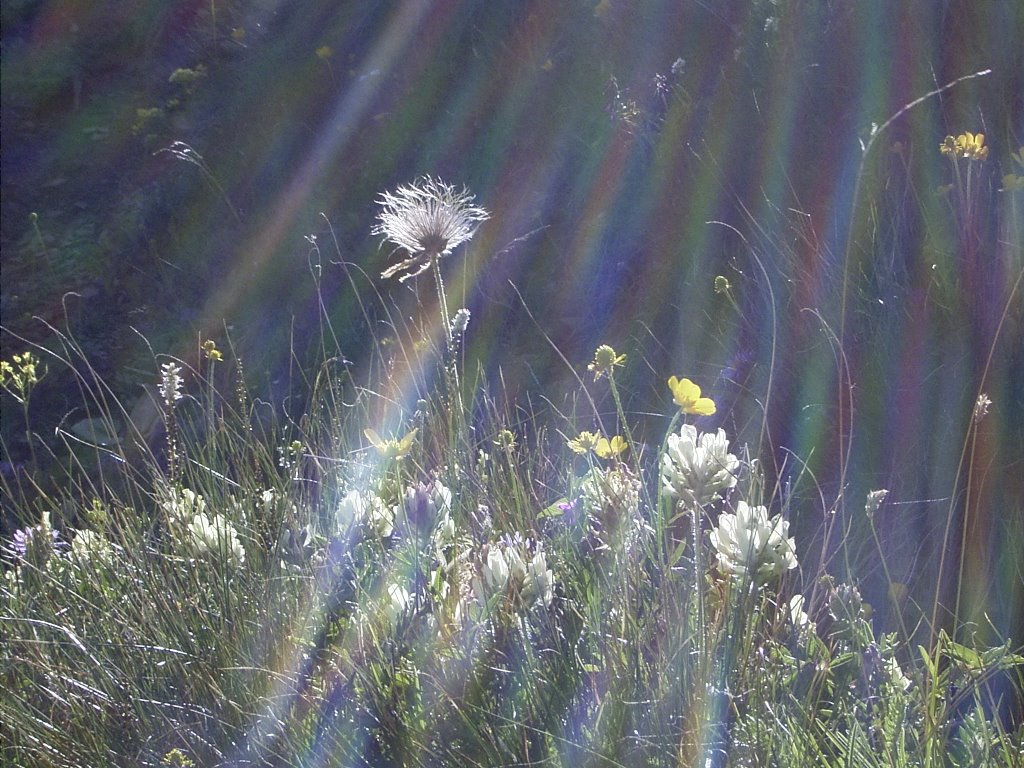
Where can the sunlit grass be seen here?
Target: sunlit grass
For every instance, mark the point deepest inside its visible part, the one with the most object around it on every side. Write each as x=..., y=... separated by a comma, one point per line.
x=408, y=570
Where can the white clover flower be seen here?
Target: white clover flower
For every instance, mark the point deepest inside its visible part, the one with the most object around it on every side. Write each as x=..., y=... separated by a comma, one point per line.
x=494, y=573
x=183, y=504
x=510, y=569
x=517, y=569
x=750, y=544
x=367, y=509
x=428, y=219
x=698, y=468
x=91, y=547
x=539, y=581
x=215, y=535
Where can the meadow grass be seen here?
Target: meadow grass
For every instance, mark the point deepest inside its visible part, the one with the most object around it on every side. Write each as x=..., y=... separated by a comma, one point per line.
x=410, y=570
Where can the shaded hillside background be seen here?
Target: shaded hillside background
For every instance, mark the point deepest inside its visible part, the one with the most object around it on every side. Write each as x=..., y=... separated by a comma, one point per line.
x=604, y=138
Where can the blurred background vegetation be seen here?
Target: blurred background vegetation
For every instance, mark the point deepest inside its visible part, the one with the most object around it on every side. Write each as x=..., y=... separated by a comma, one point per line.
x=165, y=164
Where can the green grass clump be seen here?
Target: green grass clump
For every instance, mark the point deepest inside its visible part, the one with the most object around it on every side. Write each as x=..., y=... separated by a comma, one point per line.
x=363, y=585
x=409, y=571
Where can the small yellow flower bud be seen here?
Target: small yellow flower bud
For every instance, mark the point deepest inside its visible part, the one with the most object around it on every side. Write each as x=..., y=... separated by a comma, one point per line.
x=605, y=361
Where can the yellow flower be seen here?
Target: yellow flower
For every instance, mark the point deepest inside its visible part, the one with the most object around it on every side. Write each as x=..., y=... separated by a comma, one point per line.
x=19, y=376
x=211, y=351
x=973, y=145
x=604, y=362
x=608, y=449
x=390, y=449
x=324, y=52
x=687, y=397
x=585, y=443
x=968, y=145
x=948, y=146
x=506, y=439
x=1012, y=183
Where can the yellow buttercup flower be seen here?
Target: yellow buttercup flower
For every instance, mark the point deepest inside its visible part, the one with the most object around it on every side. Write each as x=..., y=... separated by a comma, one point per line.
x=967, y=145
x=390, y=449
x=1012, y=183
x=211, y=351
x=585, y=442
x=605, y=361
x=948, y=146
x=608, y=449
x=687, y=396
x=973, y=146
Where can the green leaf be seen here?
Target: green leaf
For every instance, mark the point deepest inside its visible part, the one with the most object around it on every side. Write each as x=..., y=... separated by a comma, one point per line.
x=553, y=510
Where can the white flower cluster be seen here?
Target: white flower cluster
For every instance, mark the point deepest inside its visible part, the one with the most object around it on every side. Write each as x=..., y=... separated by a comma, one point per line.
x=215, y=535
x=170, y=383
x=91, y=547
x=698, y=468
x=510, y=569
x=460, y=321
x=367, y=509
x=182, y=504
x=749, y=544
x=203, y=533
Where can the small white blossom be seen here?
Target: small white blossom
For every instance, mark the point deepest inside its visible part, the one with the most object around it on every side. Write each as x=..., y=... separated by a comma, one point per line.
x=460, y=322
x=612, y=492
x=91, y=547
x=698, y=468
x=443, y=538
x=442, y=496
x=874, y=501
x=367, y=509
x=494, y=573
x=511, y=569
x=611, y=497
x=539, y=581
x=170, y=383
x=182, y=504
x=749, y=543
x=981, y=406
x=215, y=535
